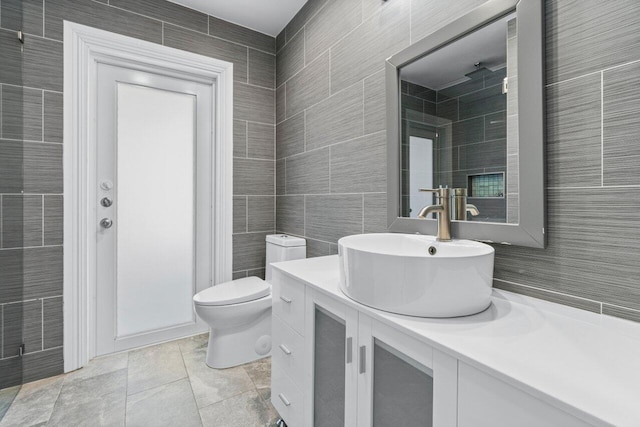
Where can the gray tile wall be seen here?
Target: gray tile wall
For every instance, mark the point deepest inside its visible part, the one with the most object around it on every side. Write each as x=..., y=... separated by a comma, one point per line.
x=326, y=189
x=31, y=133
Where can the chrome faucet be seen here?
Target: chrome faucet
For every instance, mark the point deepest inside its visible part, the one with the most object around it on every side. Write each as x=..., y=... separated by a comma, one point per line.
x=460, y=205
x=443, y=210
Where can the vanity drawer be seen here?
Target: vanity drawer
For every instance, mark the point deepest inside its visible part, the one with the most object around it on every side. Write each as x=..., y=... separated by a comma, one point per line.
x=288, y=301
x=286, y=397
x=287, y=352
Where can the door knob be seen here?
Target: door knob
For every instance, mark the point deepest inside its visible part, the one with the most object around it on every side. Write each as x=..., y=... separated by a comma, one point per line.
x=106, y=202
x=106, y=223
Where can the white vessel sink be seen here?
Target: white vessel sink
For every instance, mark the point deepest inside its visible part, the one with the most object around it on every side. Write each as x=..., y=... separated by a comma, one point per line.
x=397, y=273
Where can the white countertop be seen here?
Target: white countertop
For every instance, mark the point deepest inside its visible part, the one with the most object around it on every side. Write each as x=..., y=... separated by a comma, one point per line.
x=584, y=363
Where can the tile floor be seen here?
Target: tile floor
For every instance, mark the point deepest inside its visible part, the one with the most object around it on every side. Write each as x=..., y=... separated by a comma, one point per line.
x=164, y=385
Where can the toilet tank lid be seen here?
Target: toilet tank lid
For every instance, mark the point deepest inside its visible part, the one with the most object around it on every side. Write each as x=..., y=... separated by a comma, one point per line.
x=286, y=240
x=233, y=292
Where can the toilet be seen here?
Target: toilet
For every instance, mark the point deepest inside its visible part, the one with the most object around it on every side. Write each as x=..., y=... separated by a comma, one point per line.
x=239, y=312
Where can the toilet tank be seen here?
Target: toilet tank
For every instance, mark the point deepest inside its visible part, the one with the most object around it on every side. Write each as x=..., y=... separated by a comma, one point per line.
x=281, y=247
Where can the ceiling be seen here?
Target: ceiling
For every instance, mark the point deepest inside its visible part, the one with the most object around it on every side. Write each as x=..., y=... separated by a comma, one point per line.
x=449, y=65
x=265, y=16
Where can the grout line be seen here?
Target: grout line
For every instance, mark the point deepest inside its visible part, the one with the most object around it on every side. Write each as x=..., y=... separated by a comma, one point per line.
x=42, y=117
x=248, y=72
x=42, y=232
x=31, y=194
x=30, y=247
x=42, y=324
x=330, y=177
x=363, y=104
x=602, y=128
x=31, y=87
x=613, y=67
x=331, y=145
x=362, y=213
x=190, y=385
x=258, y=86
x=1, y=230
x=548, y=291
x=304, y=130
x=34, y=352
x=44, y=14
x=32, y=141
x=594, y=187
x=620, y=306
x=311, y=194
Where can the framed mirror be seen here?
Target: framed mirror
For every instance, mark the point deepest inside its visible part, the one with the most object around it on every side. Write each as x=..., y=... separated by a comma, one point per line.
x=465, y=110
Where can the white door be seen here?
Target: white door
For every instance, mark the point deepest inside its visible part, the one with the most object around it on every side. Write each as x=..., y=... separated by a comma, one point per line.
x=420, y=173
x=153, y=210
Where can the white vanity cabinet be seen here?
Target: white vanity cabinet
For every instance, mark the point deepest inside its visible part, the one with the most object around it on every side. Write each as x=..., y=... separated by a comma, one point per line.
x=523, y=362
x=485, y=401
x=352, y=370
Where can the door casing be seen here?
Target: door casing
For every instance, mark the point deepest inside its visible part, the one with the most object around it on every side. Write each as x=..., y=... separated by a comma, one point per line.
x=84, y=49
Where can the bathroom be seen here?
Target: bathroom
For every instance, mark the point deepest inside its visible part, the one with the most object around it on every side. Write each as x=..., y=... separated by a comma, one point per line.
x=306, y=119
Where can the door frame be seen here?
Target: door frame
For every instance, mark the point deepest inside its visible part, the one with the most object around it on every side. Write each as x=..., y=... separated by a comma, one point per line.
x=84, y=48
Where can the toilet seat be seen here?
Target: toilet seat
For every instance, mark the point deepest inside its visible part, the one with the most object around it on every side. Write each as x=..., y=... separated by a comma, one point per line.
x=233, y=292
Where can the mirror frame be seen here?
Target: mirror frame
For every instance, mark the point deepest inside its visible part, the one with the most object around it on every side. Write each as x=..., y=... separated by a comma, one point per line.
x=530, y=231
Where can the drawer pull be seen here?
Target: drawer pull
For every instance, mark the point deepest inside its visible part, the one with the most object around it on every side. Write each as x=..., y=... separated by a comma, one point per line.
x=284, y=349
x=284, y=400
x=285, y=299
x=349, y=350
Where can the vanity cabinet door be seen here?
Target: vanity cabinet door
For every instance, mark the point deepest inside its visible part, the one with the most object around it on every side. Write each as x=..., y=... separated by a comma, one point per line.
x=402, y=381
x=485, y=401
x=330, y=336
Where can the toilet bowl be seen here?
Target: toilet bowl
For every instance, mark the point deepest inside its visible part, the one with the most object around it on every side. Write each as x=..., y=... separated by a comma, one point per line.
x=239, y=312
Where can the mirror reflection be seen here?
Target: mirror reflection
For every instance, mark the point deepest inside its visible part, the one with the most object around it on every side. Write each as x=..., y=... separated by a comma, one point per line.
x=459, y=126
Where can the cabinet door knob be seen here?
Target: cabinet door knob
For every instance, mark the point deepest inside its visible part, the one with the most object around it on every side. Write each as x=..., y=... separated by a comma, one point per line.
x=285, y=299
x=284, y=349
x=363, y=359
x=284, y=400
x=349, y=350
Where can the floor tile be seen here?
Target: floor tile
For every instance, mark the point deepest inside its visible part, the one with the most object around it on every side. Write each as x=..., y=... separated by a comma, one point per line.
x=259, y=372
x=168, y=405
x=34, y=403
x=247, y=409
x=99, y=366
x=154, y=366
x=95, y=401
x=193, y=343
x=6, y=398
x=213, y=385
x=174, y=387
